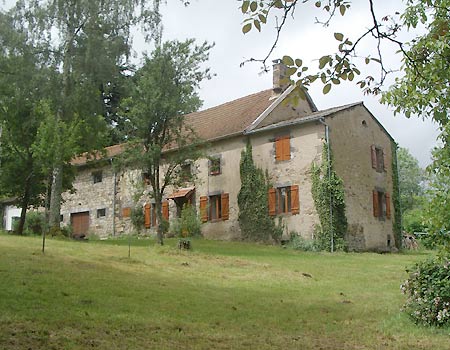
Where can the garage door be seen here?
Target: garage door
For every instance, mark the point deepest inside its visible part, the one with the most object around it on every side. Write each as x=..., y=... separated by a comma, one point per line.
x=80, y=224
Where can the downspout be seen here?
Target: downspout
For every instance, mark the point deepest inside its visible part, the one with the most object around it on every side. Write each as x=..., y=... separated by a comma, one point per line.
x=327, y=140
x=114, y=199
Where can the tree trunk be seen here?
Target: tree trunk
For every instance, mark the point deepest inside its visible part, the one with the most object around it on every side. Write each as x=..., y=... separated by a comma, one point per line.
x=24, y=205
x=55, y=197
x=159, y=230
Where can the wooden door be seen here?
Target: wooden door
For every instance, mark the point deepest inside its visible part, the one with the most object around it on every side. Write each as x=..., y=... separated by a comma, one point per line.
x=80, y=224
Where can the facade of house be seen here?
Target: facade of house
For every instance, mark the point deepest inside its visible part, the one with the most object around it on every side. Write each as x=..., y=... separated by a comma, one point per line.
x=287, y=137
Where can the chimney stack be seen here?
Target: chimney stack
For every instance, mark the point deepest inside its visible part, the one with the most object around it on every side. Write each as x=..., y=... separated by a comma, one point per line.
x=279, y=73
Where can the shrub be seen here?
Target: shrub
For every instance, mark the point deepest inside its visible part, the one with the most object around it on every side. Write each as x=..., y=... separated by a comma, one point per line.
x=190, y=222
x=428, y=291
x=35, y=223
x=297, y=242
x=137, y=218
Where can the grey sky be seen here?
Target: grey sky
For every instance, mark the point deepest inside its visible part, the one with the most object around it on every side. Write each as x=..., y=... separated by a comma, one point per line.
x=219, y=21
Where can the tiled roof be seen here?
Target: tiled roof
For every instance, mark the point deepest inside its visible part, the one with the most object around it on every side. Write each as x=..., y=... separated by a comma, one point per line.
x=108, y=152
x=230, y=118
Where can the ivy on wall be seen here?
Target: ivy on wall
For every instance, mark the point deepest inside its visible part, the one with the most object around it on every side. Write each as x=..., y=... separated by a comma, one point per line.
x=328, y=195
x=254, y=219
x=397, y=224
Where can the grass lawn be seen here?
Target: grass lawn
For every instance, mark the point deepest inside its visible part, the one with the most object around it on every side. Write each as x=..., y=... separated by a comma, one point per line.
x=221, y=295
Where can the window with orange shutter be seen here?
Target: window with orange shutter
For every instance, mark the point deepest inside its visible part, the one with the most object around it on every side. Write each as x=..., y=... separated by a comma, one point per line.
x=283, y=148
x=381, y=204
x=284, y=200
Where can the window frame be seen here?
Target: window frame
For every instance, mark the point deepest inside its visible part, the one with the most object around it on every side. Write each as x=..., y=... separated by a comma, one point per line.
x=213, y=168
x=101, y=213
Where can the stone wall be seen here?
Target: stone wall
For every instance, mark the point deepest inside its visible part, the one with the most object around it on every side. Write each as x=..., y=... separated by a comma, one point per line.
x=352, y=133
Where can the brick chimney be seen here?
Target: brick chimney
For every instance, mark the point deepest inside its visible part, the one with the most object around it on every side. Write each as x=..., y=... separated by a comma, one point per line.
x=279, y=72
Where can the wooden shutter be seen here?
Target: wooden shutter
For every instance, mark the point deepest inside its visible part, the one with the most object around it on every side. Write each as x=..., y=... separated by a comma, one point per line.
x=165, y=210
x=126, y=212
x=286, y=142
x=272, y=201
x=147, y=216
x=388, y=205
x=203, y=208
x=385, y=161
x=376, y=205
x=278, y=149
x=225, y=202
x=373, y=154
x=295, y=205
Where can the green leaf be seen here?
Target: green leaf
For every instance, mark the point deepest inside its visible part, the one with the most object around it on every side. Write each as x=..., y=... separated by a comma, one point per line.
x=288, y=61
x=339, y=36
x=262, y=18
x=253, y=6
x=367, y=60
x=336, y=81
x=245, y=6
x=326, y=89
x=342, y=9
x=257, y=25
x=318, y=4
x=323, y=61
x=298, y=62
x=246, y=28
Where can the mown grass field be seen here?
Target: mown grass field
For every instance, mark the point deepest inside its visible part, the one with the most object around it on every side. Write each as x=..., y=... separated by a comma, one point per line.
x=221, y=295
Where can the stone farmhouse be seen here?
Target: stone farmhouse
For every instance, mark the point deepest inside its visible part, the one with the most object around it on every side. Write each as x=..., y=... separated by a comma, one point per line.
x=286, y=140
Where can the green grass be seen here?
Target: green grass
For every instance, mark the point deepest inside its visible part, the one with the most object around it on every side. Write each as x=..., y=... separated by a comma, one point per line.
x=221, y=295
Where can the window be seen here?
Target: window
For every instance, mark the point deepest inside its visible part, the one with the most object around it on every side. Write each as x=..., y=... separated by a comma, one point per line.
x=378, y=158
x=282, y=148
x=61, y=218
x=381, y=204
x=150, y=215
x=186, y=172
x=214, y=207
x=146, y=178
x=214, y=166
x=97, y=176
x=284, y=200
x=101, y=213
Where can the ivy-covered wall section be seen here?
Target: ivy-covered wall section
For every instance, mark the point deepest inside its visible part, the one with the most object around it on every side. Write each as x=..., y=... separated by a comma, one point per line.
x=329, y=199
x=397, y=225
x=254, y=219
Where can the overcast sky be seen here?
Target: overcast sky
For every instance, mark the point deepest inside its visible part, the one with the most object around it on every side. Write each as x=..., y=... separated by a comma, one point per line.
x=219, y=21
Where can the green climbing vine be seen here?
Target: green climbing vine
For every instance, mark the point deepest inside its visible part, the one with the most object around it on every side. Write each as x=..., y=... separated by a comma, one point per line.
x=254, y=219
x=397, y=225
x=328, y=194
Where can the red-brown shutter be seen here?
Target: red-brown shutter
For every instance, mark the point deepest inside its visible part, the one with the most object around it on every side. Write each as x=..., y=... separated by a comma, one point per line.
x=388, y=205
x=126, y=212
x=165, y=210
x=373, y=154
x=376, y=205
x=272, y=202
x=385, y=161
x=203, y=208
x=147, y=216
x=286, y=142
x=295, y=205
x=278, y=149
x=225, y=202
